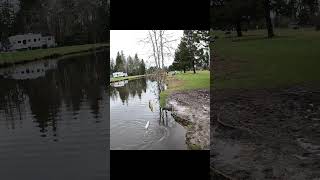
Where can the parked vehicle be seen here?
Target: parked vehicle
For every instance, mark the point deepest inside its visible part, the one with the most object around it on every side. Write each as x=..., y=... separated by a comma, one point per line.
x=119, y=74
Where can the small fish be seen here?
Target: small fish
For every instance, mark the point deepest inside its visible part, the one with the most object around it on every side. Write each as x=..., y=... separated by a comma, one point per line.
x=147, y=125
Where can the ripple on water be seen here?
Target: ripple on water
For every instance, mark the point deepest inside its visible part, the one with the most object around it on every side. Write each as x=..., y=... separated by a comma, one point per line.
x=130, y=114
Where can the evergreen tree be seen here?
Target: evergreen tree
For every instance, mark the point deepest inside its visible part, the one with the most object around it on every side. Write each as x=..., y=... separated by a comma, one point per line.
x=142, y=67
x=130, y=66
x=119, y=67
x=136, y=63
x=112, y=66
x=181, y=57
x=190, y=39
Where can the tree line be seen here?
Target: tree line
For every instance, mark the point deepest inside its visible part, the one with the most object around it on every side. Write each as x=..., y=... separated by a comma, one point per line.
x=131, y=65
x=252, y=14
x=192, y=52
x=70, y=21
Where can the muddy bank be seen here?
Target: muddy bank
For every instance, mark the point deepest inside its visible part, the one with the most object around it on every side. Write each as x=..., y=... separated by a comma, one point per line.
x=192, y=110
x=266, y=134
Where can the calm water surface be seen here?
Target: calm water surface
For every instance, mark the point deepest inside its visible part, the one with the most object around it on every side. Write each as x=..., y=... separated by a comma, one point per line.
x=54, y=119
x=134, y=103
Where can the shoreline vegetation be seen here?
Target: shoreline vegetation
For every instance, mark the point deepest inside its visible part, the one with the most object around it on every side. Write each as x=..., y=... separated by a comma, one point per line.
x=19, y=57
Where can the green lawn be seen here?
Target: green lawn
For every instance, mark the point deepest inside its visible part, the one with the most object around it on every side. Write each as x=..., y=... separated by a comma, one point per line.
x=126, y=78
x=291, y=58
x=15, y=57
x=185, y=81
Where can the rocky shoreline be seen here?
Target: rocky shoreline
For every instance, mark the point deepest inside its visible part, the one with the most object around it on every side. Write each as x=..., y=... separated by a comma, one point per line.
x=192, y=110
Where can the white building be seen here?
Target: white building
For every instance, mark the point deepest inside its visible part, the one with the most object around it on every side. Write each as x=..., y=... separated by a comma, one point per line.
x=119, y=74
x=31, y=41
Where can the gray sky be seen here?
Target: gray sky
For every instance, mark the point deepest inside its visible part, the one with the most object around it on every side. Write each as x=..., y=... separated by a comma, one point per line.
x=129, y=41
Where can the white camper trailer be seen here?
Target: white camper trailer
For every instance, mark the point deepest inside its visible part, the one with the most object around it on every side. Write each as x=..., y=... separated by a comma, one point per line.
x=119, y=74
x=31, y=41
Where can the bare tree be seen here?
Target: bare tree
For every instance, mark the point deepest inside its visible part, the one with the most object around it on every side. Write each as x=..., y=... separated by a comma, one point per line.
x=154, y=48
x=161, y=33
x=161, y=43
x=156, y=40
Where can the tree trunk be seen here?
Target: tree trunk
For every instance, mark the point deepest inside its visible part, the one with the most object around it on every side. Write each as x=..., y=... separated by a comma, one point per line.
x=157, y=47
x=268, y=18
x=161, y=47
x=184, y=69
x=194, y=68
x=154, y=49
x=238, y=28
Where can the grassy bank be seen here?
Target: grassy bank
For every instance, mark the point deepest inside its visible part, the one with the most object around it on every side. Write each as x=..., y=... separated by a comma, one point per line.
x=185, y=81
x=291, y=58
x=126, y=78
x=24, y=56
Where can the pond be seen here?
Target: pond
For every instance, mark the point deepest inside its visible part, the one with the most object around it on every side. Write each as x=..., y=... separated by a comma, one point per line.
x=54, y=119
x=134, y=105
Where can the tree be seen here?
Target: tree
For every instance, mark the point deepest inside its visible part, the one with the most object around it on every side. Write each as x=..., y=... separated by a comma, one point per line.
x=151, y=69
x=70, y=21
x=7, y=17
x=136, y=63
x=112, y=66
x=130, y=66
x=119, y=67
x=181, y=58
x=267, y=9
x=142, y=67
x=161, y=43
x=232, y=13
x=317, y=22
x=197, y=43
x=192, y=51
x=188, y=38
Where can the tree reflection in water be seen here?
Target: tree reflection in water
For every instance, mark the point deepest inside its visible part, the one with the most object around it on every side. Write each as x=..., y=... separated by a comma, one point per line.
x=70, y=86
x=135, y=87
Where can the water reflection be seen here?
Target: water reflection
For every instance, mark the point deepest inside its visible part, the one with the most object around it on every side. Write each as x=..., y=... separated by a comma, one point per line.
x=67, y=102
x=31, y=70
x=135, y=104
x=132, y=89
x=119, y=83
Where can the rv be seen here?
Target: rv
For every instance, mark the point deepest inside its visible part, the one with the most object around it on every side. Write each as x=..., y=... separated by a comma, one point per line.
x=119, y=74
x=31, y=41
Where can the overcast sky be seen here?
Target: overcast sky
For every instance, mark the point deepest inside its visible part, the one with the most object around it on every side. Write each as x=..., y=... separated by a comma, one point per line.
x=129, y=41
